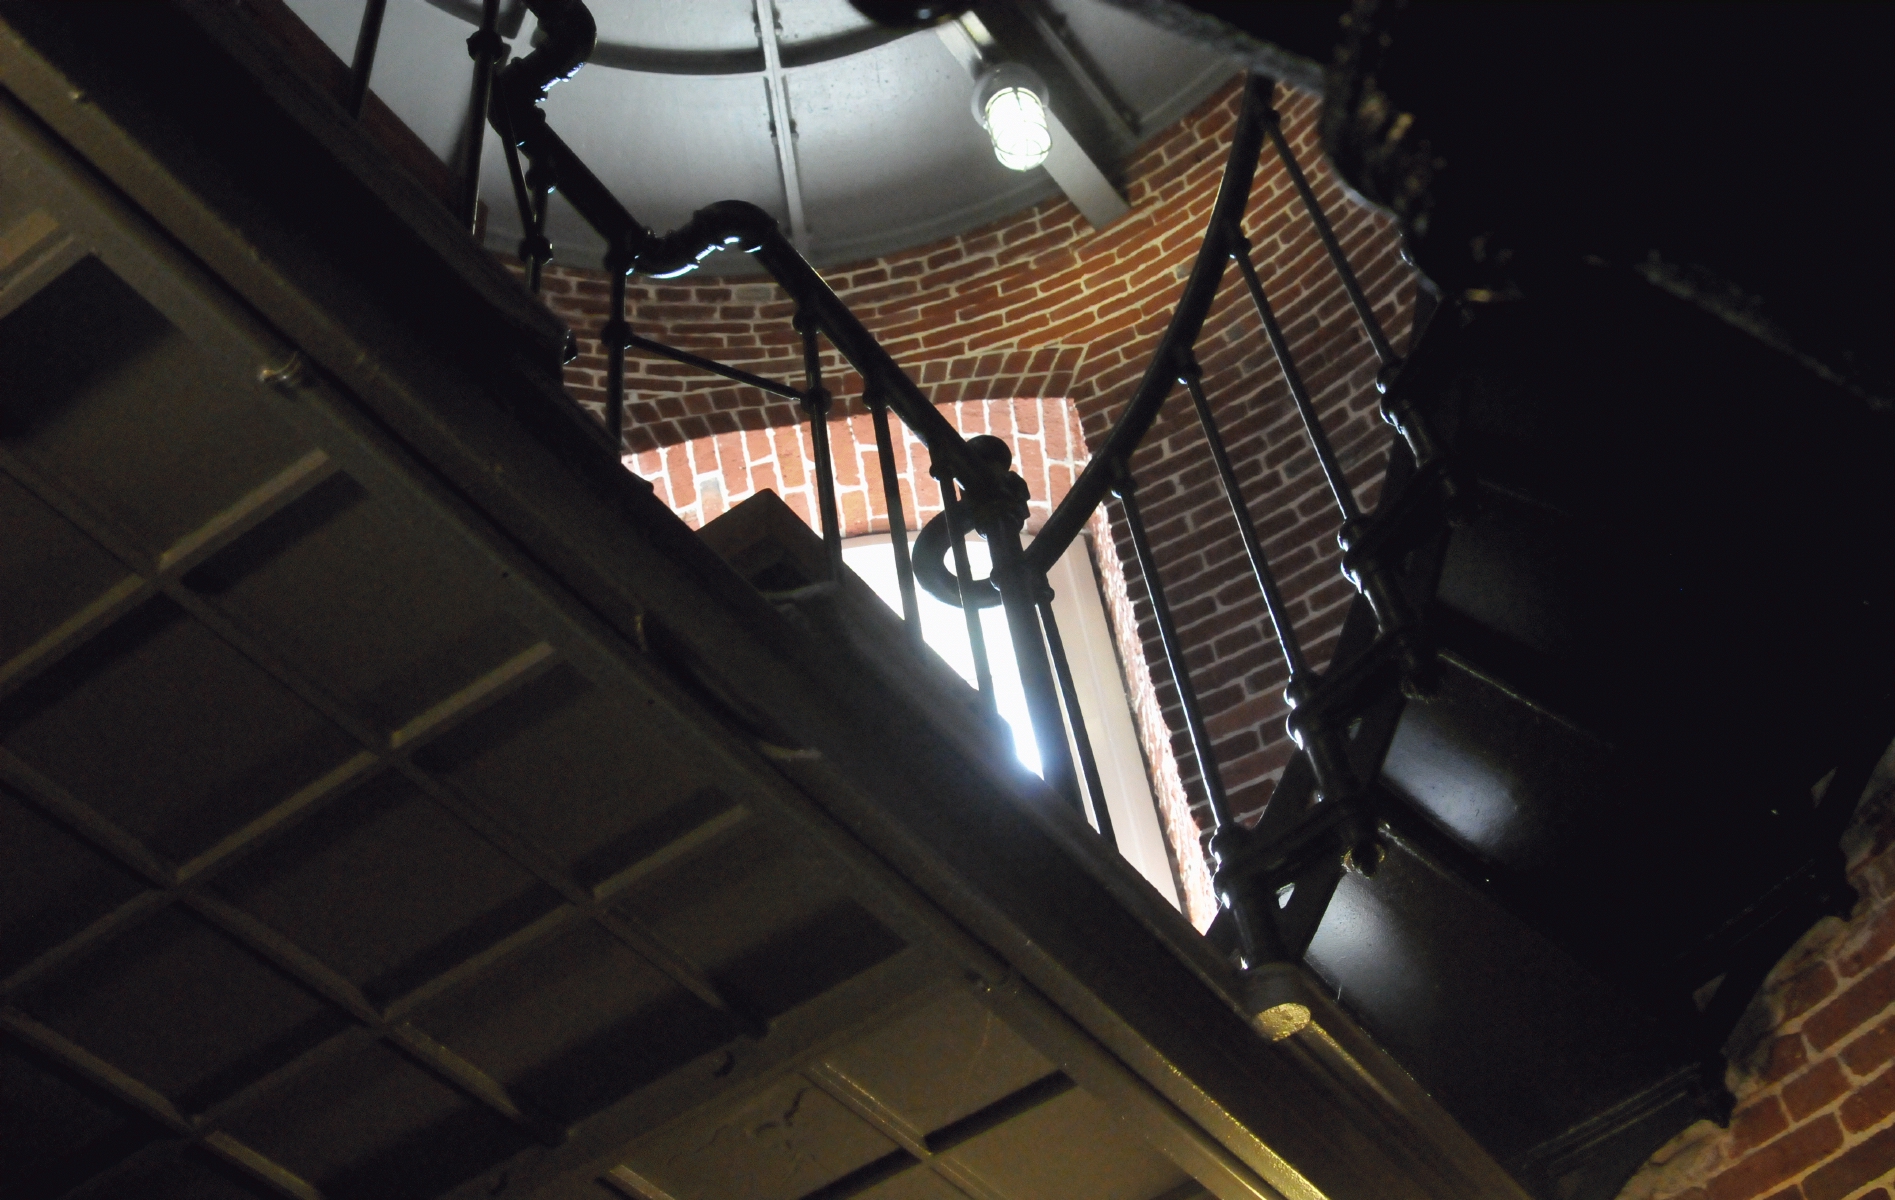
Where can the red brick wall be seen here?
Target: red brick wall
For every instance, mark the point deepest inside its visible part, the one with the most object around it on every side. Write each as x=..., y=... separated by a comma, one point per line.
x=1813, y=1066
x=1041, y=305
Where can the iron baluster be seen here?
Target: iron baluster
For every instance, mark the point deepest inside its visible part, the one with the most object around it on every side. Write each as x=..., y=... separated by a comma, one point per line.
x=485, y=47
x=1312, y=424
x=1256, y=926
x=1383, y=351
x=367, y=38
x=1396, y=411
x=1088, y=762
x=502, y=119
x=535, y=247
x=1019, y=598
x=816, y=402
x=1368, y=574
x=1314, y=734
x=1187, y=319
x=614, y=335
x=964, y=581
x=1367, y=571
x=1000, y=514
x=897, y=525
x=689, y=359
x=1192, y=378
x=1126, y=489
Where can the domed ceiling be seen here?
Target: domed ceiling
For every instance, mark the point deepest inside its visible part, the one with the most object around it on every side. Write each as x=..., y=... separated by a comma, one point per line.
x=687, y=101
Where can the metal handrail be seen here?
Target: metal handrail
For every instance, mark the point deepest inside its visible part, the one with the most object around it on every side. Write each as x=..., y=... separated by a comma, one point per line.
x=978, y=489
x=976, y=482
x=1187, y=320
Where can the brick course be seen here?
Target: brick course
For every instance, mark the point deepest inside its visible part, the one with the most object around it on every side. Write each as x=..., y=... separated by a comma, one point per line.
x=1041, y=305
x=1813, y=1063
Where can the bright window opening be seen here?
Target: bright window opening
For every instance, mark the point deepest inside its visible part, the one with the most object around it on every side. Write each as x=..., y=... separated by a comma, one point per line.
x=1088, y=640
x=944, y=628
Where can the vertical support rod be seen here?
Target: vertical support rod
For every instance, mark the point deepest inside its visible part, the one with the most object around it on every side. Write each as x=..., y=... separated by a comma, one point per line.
x=1257, y=935
x=1312, y=424
x=964, y=581
x=614, y=335
x=1337, y=258
x=485, y=48
x=1127, y=492
x=897, y=525
x=510, y=146
x=1286, y=638
x=1019, y=596
x=1315, y=736
x=816, y=403
x=367, y=38
x=1088, y=761
x=534, y=247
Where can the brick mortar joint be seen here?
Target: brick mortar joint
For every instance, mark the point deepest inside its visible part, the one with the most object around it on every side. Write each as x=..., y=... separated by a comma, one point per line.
x=1705, y=1162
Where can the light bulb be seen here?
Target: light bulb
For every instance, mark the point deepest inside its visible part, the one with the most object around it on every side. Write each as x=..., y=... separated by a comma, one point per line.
x=1016, y=121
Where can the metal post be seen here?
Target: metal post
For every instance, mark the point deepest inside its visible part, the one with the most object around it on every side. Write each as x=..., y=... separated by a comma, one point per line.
x=897, y=526
x=534, y=248
x=1315, y=735
x=614, y=335
x=1019, y=596
x=964, y=580
x=1192, y=378
x=1126, y=490
x=1256, y=924
x=1377, y=338
x=1088, y=762
x=485, y=47
x=816, y=403
x=1332, y=470
x=366, y=40
x=502, y=118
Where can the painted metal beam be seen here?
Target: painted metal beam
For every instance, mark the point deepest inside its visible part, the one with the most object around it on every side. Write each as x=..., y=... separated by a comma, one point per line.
x=782, y=124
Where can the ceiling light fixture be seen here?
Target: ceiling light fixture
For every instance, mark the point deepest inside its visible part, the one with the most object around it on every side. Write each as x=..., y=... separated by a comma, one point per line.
x=1010, y=104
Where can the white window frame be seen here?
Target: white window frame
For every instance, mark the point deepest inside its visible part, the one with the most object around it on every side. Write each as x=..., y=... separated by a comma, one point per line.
x=1092, y=655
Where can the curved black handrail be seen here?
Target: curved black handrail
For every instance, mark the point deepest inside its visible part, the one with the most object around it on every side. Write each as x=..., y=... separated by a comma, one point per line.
x=742, y=226
x=1194, y=305
x=726, y=225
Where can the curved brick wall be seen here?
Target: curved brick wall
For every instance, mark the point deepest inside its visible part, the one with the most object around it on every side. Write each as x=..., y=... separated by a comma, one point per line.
x=1813, y=1061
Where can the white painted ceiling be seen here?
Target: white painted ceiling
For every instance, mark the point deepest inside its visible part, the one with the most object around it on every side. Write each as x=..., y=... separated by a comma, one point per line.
x=675, y=112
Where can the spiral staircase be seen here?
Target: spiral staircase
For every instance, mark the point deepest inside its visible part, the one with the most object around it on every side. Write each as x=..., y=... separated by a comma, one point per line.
x=396, y=800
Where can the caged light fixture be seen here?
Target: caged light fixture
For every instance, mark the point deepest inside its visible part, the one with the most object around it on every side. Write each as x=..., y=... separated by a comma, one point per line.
x=1010, y=104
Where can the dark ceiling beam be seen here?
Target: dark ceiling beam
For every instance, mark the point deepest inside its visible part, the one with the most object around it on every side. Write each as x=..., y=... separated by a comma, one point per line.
x=738, y=60
x=732, y=61
x=512, y=14
x=1290, y=40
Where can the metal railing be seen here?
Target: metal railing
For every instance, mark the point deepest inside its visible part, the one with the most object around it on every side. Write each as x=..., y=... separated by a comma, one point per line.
x=1249, y=867
x=486, y=46
x=980, y=493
